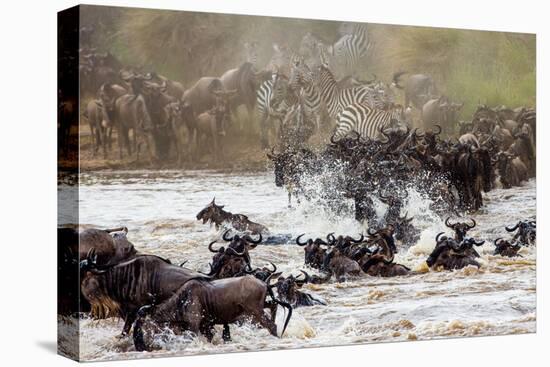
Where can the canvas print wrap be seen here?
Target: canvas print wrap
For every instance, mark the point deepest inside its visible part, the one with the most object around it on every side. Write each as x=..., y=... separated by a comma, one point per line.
x=234, y=183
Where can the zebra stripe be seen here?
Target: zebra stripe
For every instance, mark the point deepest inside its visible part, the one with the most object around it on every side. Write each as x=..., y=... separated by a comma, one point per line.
x=336, y=99
x=365, y=120
x=302, y=81
x=352, y=48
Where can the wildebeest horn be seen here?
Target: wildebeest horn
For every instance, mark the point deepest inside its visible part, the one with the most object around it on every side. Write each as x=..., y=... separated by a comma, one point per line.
x=498, y=240
x=437, y=237
x=249, y=239
x=439, y=129
x=298, y=240
x=473, y=225
x=359, y=240
x=330, y=238
x=308, y=278
x=119, y=229
x=232, y=251
x=228, y=239
x=274, y=268
x=248, y=269
x=211, y=249
x=478, y=243
x=448, y=223
x=513, y=228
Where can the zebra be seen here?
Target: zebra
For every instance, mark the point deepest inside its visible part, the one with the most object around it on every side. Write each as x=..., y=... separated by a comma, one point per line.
x=302, y=79
x=366, y=120
x=351, y=49
x=336, y=99
x=272, y=101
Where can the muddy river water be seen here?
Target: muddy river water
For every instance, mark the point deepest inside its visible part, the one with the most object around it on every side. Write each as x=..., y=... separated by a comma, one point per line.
x=159, y=209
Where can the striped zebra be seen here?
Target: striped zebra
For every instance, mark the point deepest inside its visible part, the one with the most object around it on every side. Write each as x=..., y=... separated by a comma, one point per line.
x=302, y=80
x=336, y=99
x=351, y=49
x=272, y=101
x=365, y=120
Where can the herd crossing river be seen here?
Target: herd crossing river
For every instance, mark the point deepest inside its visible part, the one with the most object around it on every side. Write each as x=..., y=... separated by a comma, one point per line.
x=159, y=208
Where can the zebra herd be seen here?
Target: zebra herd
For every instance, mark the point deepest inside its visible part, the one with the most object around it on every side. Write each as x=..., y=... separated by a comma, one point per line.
x=311, y=93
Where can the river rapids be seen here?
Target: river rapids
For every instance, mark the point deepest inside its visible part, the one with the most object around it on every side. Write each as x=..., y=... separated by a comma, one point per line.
x=159, y=210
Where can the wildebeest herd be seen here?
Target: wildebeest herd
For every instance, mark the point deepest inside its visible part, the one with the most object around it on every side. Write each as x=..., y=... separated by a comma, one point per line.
x=373, y=155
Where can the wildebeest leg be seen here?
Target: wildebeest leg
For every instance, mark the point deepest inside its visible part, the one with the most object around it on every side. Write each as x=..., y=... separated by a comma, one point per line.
x=94, y=143
x=130, y=318
x=272, y=309
x=264, y=321
x=104, y=141
x=289, y=200
x=206, y=329
x=226, y=336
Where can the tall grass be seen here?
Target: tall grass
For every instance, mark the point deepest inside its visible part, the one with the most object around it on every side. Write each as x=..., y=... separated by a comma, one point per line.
x=493, y=68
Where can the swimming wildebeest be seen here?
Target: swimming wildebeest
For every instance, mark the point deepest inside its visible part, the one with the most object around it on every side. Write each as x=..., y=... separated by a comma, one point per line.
x=449, y=254
x=526, y=232
x=288, y=291
x=200, y=304
x=214, y=213
x=505, y=248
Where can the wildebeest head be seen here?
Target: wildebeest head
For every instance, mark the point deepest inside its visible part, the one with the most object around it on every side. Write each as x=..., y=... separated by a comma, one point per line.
x=220, y=111
x=213, y=213
x=288, y=288
x=242, y=244
x=526, y=231
x=405, y=231
x=386, y=234
x=263, y=274
x=314, y=252
x=227, y=262
x=460, y=228
x=505, y=248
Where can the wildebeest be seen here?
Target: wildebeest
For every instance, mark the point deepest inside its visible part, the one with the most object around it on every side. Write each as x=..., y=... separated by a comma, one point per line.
x=288, y=291
x=440, y=111
x=460, y=228
x=449, y=254
x=526, y=232
x=200, y=304
x=263, y=273
x=121, y=289
x=418, y=89
x=505, y=248
x=132, y=114
x=245, y=80
x=227, y=262
x=100, y=115
x=341, y=266
x=314, y=254
x=172, y=88
x=380, y=261
x=214, y=213
x=511, y=169
x=181, y=119
x=203, y=95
